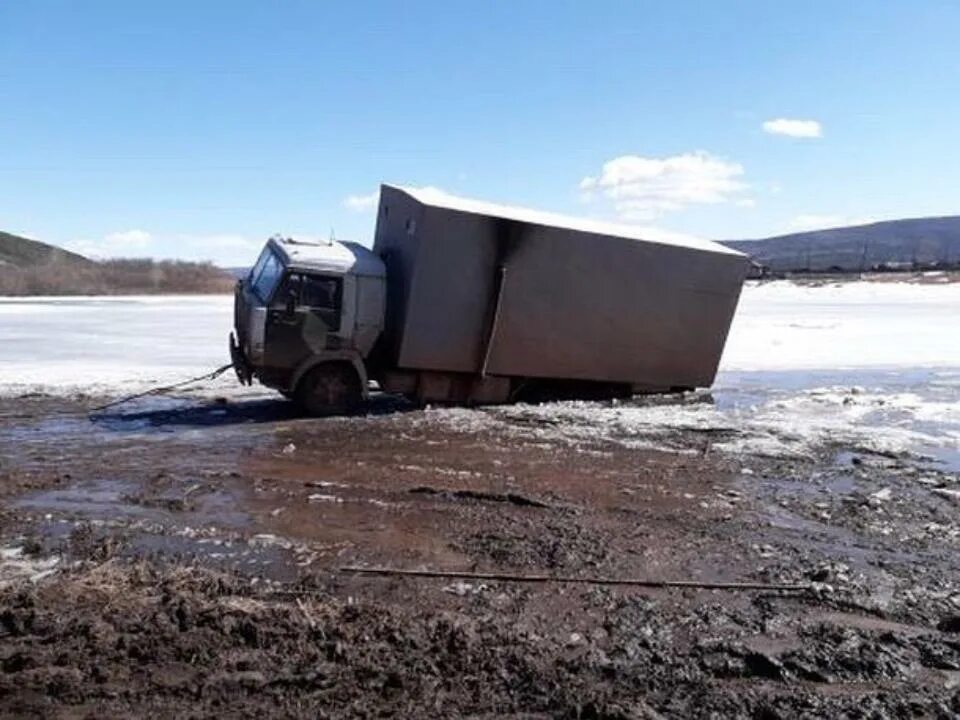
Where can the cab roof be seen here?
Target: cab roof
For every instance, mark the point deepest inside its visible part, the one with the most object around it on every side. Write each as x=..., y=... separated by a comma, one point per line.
x=330, y=256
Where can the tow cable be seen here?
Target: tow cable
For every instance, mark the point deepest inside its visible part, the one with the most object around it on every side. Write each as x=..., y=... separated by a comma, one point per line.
x=160, y=390
x=93, y=412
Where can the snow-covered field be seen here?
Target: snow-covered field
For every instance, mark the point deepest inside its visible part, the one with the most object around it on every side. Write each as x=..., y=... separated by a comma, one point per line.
x=874, y=363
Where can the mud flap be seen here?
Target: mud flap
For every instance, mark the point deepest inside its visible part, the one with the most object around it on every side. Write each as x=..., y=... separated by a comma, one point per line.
x=241, y=366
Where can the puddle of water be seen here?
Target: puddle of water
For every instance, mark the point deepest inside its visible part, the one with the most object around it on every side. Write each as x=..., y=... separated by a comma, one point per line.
x=946, y=459
x=104, y=498
x=109, y=499
x=184, y=522
x=268, y=561
x=835, y=540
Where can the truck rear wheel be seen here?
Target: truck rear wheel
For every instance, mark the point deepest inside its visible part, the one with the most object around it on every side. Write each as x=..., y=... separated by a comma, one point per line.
x=329, y=389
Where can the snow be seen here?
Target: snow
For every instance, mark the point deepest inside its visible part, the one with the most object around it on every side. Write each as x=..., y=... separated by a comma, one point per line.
x=333, y=256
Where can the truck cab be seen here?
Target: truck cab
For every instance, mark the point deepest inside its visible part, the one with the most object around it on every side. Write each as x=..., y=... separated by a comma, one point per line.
x=306, y=317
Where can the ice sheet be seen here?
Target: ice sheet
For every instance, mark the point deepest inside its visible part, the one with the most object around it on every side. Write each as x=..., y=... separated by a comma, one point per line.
x=873, y=364
x=784, y=326
x=128, y=342
x=114, y=344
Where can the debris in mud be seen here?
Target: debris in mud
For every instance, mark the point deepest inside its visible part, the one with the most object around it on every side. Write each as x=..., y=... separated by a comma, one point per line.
x=462, y=588
x=830, y=572
x=324, y=497
x=324, y=484
x=947, y=493
x=882, y=495
x=759, y=664
x=512, y=498
x=551, y=545
x=16, y=564
x=950, y=624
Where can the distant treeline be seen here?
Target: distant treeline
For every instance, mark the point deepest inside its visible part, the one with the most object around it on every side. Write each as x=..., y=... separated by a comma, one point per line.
x=115, y=277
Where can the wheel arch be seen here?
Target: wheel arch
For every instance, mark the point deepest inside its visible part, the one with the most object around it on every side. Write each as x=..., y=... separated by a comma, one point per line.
x=351, y=359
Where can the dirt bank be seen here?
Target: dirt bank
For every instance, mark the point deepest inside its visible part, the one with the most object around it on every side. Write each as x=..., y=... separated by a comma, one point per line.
x=181, y=559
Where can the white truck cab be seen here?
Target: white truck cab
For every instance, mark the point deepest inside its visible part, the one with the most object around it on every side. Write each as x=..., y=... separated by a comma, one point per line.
x=306, y=317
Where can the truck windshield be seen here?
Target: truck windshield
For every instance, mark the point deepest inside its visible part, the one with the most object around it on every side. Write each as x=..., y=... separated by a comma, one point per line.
x=265, y=275
x=255, y=270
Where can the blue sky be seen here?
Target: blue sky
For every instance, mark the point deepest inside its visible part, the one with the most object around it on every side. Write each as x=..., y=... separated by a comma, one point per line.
x=196, y=129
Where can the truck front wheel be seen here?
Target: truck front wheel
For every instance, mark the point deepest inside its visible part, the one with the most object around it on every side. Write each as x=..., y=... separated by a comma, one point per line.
x=329, y=389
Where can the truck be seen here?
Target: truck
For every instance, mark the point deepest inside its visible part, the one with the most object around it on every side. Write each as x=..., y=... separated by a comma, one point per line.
x=462, y=301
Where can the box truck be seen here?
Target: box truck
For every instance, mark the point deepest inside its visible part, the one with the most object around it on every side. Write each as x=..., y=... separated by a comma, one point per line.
x=467, y=302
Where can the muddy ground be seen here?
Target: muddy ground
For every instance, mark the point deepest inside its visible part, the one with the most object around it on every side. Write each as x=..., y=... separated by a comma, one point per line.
x=183, y=560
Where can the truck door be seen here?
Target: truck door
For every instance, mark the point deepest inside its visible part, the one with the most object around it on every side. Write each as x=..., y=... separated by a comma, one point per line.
x=303, y=319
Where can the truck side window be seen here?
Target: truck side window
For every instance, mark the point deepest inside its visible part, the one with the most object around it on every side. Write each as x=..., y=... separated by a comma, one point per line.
x=289, y=292
x=323, y=295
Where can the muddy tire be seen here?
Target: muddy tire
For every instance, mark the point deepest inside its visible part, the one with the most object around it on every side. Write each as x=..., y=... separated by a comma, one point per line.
x=331, y=389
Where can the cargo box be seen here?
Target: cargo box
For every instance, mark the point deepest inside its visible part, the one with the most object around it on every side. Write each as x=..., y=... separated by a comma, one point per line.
x=500, y=291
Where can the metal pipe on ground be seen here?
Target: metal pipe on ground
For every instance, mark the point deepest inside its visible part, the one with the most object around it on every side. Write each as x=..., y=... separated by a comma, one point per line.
x=573, y=579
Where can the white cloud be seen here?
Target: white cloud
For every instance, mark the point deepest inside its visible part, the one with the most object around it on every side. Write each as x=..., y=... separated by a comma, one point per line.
x=793, y=128
x=642, y=188
x=129, y=239
x=225, y=241
x=125, y=243
x=221, y=248
x=225, y=249
x=362, y=203
x=28, y=234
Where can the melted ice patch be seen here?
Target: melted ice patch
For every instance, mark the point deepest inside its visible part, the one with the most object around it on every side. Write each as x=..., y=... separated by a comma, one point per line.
x=786, y=416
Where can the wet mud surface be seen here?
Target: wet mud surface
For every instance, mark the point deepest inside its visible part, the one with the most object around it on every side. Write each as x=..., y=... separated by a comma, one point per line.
x=182, y=559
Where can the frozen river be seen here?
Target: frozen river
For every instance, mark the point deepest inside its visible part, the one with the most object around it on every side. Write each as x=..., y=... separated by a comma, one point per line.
x=802, y=364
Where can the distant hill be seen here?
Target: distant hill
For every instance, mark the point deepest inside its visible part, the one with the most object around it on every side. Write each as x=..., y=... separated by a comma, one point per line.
x=29, y=267
x=23, y=253
x=238, y=272
x=914, y=243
